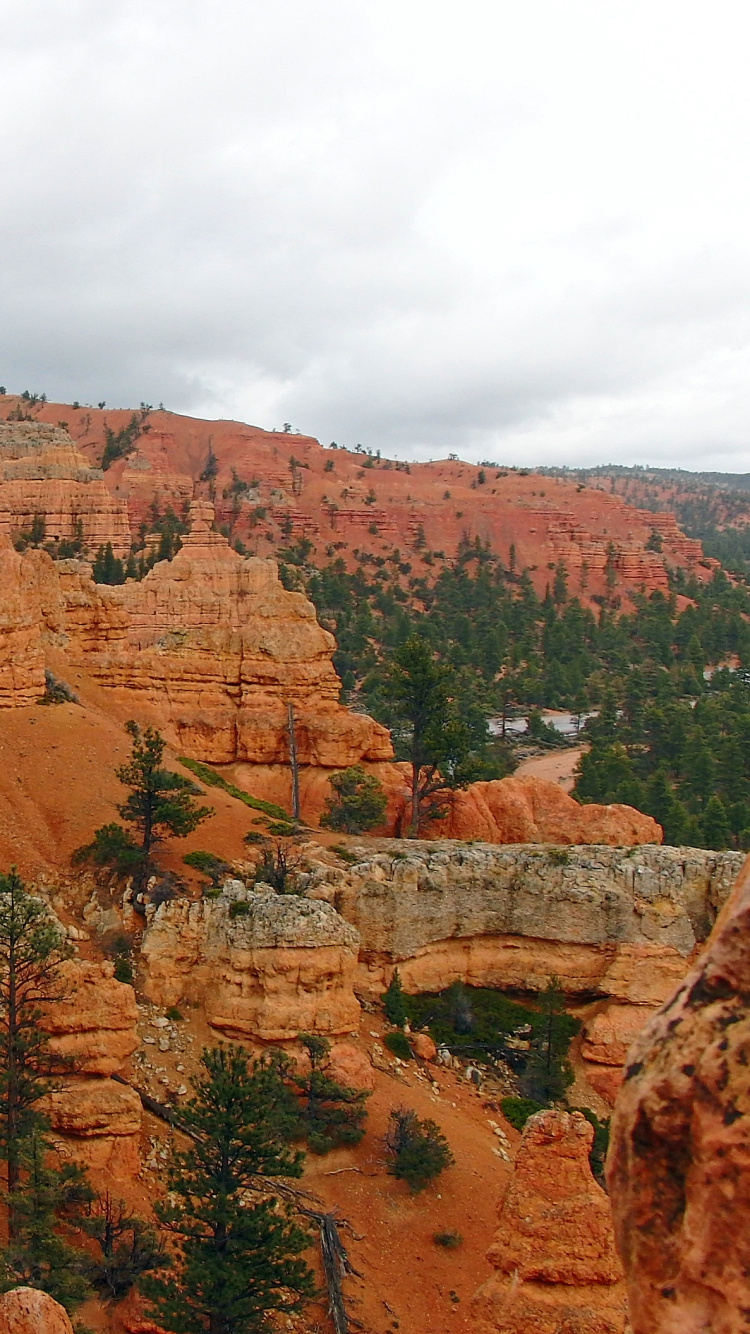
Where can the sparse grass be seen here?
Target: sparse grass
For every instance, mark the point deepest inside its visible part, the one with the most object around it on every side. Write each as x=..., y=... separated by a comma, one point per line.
x=212, y=779
x=345, y=854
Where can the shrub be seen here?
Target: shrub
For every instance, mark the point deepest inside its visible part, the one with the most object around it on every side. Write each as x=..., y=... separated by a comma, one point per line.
x=57, y=691
x=600, y=1144
x=394, y=1002
x=518, y=1110
x=124, y=970
x=240, y=908
x=208, y=864
x=254, y=836
x=419, y=1150
x=449, y=1240
x=173, y=1013
x=111, y=846
x=212, y=779
x=398, y=1044
x=277, y=868
x=358, y=802
x=331, y=1114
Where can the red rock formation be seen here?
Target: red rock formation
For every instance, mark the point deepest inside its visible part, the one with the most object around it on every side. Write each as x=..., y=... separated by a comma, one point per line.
x=678, y=1162
x=531, y=810
x=215, y=649
x=557, y=1271
x=281, y=967
x=21, y=651
x=42, y=472
x=30, y=1311
x=94, y=1027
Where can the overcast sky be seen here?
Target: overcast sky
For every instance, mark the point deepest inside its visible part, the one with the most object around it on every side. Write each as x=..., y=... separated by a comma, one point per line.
x=513, y=229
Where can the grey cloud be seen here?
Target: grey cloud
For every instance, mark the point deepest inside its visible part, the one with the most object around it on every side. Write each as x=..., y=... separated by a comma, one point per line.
x=313, y=212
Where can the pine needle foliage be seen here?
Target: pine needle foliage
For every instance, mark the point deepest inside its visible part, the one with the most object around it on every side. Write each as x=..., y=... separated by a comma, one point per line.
x=236, y=1247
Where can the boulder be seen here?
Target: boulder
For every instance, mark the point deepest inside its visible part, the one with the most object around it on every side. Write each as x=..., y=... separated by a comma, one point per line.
x=30, y=1311
x=556, y=1268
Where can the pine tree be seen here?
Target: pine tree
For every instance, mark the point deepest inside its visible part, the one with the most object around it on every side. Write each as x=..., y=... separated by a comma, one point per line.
x=32, y=952
x=418, y=1148
x=161, y=802
x=548, y=1072
x=236, y=1245
x=715, y=823
x=50, y=1196
x=332, y=1113
x=358, y=802
x=394, y=1003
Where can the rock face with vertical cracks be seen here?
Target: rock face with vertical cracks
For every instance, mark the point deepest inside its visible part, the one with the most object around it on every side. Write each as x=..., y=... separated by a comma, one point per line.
x=92, y=1031
x=556, y=1268
x=266, y=966
x=679, y=1162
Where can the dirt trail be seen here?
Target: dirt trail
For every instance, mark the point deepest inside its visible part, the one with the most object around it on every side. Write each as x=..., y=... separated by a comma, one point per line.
x=559, y=767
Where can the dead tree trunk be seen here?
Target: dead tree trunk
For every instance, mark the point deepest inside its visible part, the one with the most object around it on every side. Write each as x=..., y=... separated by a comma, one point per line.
x=294, y=762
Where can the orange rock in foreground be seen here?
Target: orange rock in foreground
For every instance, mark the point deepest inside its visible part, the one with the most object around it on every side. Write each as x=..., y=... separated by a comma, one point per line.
x=678, y=1162
x=30, y=1311
x=532, y=810
x=557, y=1271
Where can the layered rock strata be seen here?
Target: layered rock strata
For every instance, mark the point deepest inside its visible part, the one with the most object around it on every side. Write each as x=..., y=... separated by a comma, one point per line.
x=216, y=649
x=92, y=1031
x=678, y=1162
x=556, y=1268
x=616, y=926
x=43, y=473
x=266, y=966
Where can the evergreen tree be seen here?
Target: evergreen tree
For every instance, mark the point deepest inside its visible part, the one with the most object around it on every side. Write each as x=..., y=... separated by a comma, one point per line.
x=161, y=803
x=418, y=1148
x=107, y=568
x=236, y=1246
x=332, y=1114
x=717, y=832
x=358, y=802
x=394, y=1003
x=128, y=1246
x=548, y=1072
x=49, y=1197
x=32, y=952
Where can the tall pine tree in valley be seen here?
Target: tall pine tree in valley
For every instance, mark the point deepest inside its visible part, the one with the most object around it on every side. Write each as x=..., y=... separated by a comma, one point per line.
x=236, y=1247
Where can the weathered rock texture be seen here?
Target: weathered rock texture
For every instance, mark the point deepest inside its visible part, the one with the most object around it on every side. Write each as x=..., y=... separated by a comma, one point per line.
x=94, y=1029
x=215, y=649
x=30, y=1311
x=530, y=810
x=557, y=1270
x=21, y=649
x=614, y=924
x=266, y=966
x=42, y=472
x=678, y=1163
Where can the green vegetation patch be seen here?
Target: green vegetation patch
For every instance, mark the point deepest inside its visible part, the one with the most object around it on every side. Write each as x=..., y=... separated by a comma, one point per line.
x=212, y=779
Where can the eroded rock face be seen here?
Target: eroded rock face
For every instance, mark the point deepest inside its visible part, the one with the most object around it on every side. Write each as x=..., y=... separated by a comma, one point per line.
x=531, y=810
x=21, y=649
x=30, y=1311
x=216, y=648
x=42, y=472
x=557, y=1270
x=267, y=966
x=94, y=1028
x=615, y=923
x=678, y=1162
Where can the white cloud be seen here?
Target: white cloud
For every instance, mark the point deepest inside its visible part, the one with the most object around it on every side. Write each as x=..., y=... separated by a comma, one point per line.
x=516, y=231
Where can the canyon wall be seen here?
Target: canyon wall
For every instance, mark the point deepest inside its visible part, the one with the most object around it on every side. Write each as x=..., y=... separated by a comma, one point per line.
x=44, y=474
x=618, y=927
x=92, y=1029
